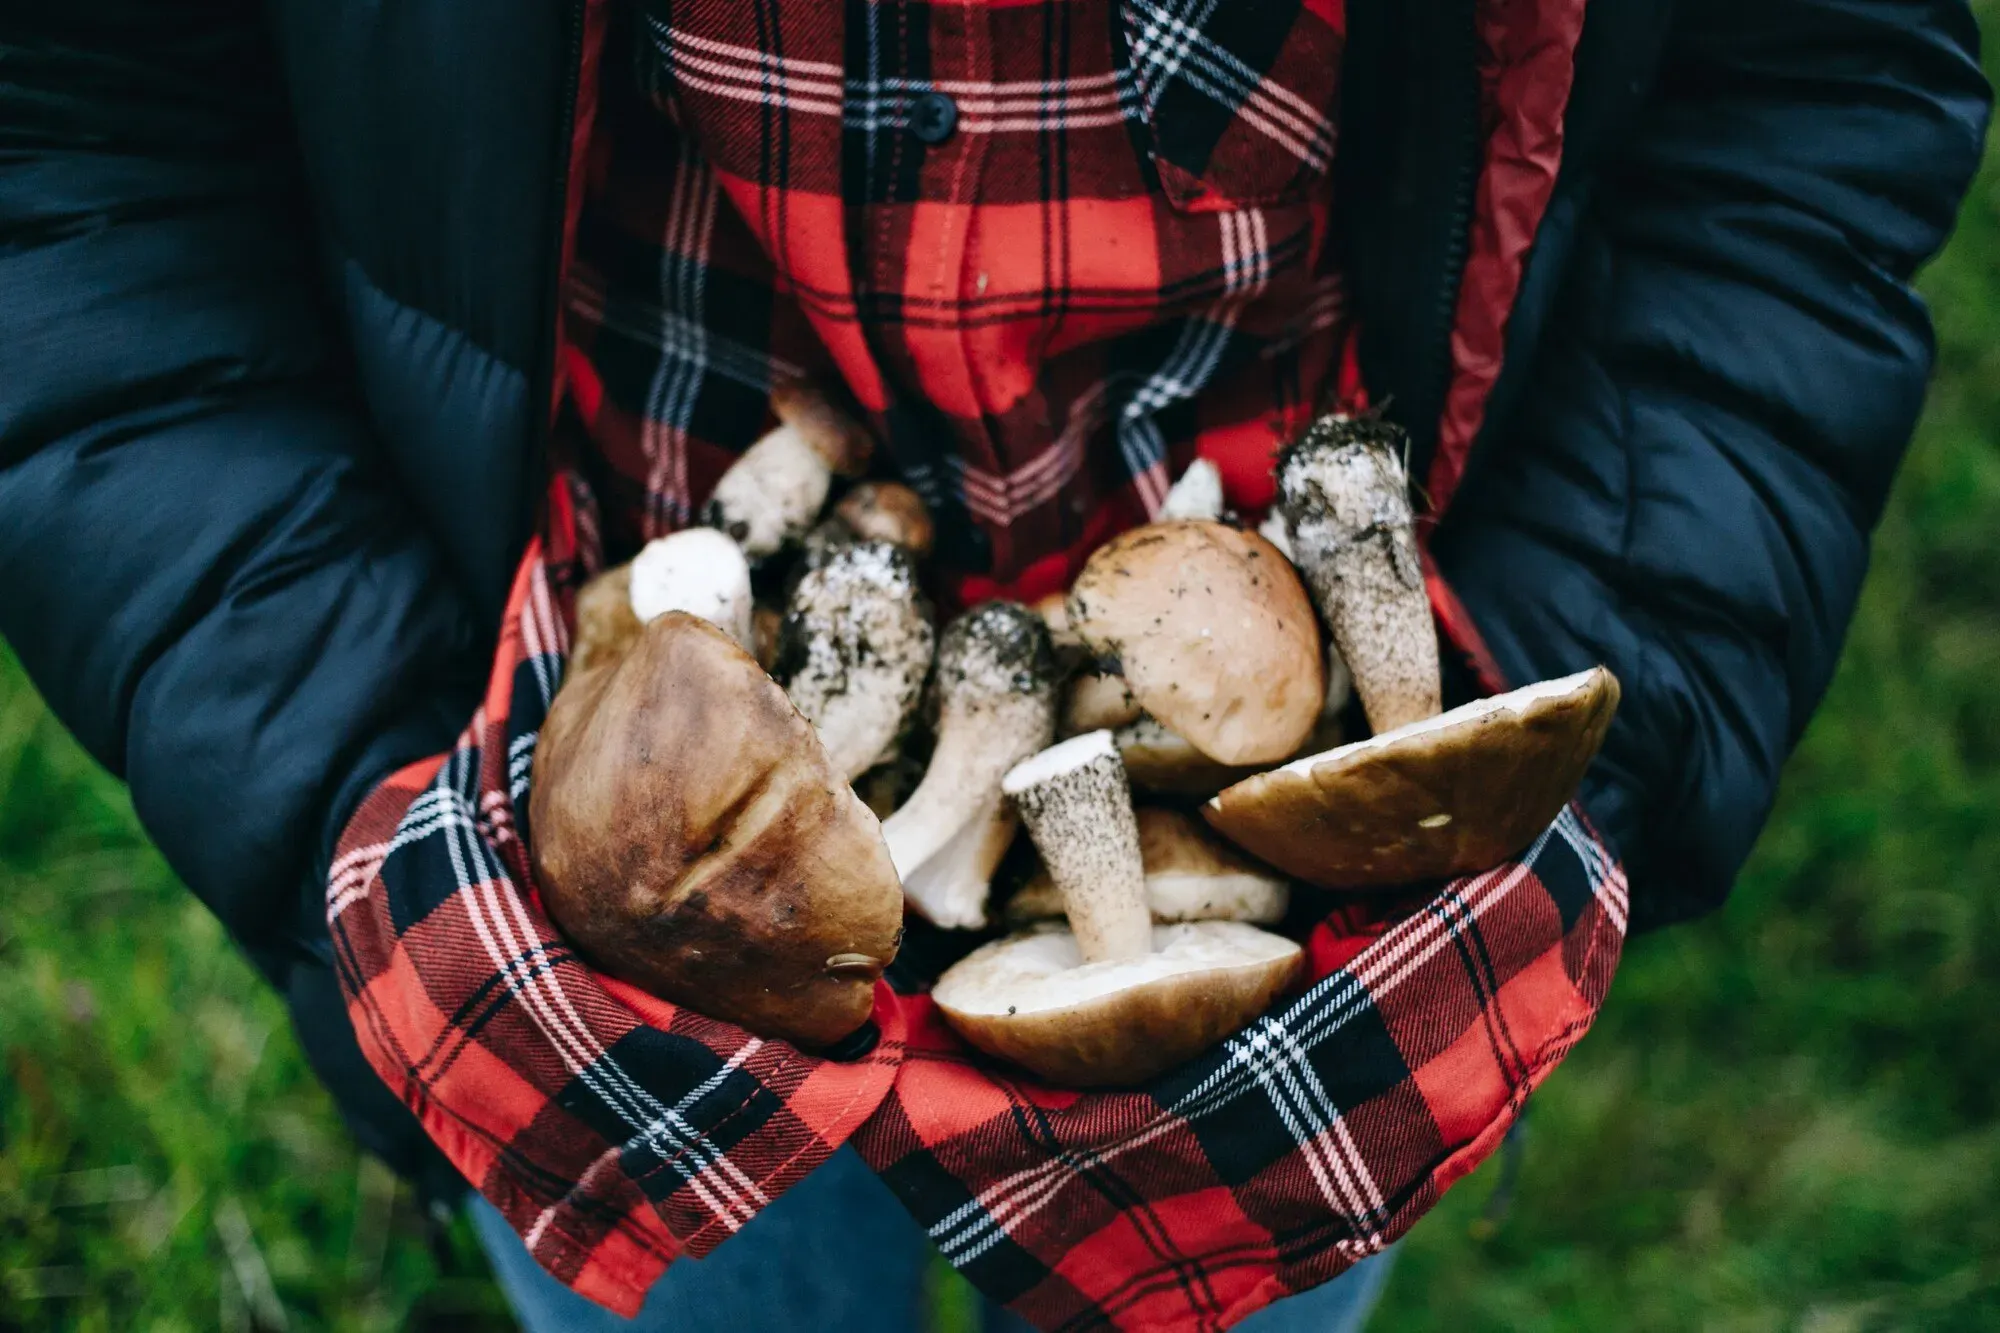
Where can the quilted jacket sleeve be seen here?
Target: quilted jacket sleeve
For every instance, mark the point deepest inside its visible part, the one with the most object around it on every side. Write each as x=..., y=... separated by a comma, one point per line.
x=1730, y=376
x=203, y=564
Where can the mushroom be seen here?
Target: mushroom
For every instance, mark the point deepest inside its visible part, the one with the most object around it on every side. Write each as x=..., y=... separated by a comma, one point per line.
x=1345, y=498
x=1448, y=795
x=1191, y=875
x=1113, y=999
x=605, y=625
x=1159, y=760
x=697, y=570
x=1198, y=493
x=996, y=706
x=770, y=496
x=1096, y=700
x=765, y=624
x=854, y=650
x=1213, y=633
x=887, y=511
x=692, y=837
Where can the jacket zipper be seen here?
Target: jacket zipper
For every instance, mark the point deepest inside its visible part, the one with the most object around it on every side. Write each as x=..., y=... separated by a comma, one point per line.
x=538, y=466
x=1463, y=55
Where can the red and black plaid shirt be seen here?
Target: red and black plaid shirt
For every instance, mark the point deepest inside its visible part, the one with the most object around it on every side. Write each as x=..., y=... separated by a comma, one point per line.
x=1117, y=254
x=1052, y=249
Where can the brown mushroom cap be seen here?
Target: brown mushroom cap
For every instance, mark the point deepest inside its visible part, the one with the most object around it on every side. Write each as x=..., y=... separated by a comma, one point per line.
x=1191, y=875
x=1095, y=700
x=693, y=838
x=1033, y=1000
x=606, y=625
x=888, y=511
x=839, y=440
x=1451, y=795
x=1214, y=634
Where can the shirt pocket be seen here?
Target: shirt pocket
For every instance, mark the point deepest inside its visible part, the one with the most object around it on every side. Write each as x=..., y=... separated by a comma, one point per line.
x=1235, y=98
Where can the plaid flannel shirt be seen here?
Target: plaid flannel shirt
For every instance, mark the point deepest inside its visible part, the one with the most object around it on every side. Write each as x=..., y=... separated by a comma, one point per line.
x=1117, y=257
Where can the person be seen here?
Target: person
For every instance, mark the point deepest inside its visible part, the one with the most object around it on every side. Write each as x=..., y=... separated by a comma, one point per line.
x=300, y=300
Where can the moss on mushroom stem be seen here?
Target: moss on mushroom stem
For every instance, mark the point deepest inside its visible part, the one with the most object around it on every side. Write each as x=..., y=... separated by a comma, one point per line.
x=1078, y=808
x=1344, y=493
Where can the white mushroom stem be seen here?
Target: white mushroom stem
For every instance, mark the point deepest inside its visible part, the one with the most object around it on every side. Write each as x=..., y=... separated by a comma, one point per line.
x=1345, y=496
x=698, y=571
x=1198, y=494
x=854, y=650
x=996, y=707
x=1078, y=808
x=771, y=495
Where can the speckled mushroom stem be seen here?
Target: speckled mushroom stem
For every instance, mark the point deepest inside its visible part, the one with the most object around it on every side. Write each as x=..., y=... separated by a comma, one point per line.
x=854, y=649
x=1345, y=497
x=1077, y=805
x=996, y=691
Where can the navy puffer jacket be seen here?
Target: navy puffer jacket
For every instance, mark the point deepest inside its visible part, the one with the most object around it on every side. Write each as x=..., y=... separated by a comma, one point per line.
x=276, y=323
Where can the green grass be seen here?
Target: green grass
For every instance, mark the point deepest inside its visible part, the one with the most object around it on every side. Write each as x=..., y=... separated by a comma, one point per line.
x=1788, y=1116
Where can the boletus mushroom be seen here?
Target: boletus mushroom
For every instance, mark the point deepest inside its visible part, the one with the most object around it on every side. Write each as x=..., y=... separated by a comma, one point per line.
x=854, y=650
x=1212, y=632
x=1452, y=794
x=1191, y=875
x=1113, y=999
x=995, y=687
x=693, y=838
x=699, y=571
x=1430, y=795
x=772, y=494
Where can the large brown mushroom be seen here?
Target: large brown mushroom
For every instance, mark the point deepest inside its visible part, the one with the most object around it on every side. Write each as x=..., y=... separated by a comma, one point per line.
x=1212, y=632
x=1452, y=794
x=693, y=838
x=1113, y=999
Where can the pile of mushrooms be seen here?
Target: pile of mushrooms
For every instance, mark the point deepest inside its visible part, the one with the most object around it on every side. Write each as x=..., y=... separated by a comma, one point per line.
x=787, y=651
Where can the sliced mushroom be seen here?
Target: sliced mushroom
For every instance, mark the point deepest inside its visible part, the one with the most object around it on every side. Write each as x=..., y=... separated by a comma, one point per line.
x=1113, y=999
x=996, y=706
x=693, y=838
x=854, y=650
x=1346, y=501
x=605, y=625
x=771, y=495
x=1450, y=795
x=1191, y=875
x=699, y=571
x=1213, y=633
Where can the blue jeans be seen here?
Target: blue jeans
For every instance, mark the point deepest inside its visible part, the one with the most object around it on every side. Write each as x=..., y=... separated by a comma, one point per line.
x=835, y=1254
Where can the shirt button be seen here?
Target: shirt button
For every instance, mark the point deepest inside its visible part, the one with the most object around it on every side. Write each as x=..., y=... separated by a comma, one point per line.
x=933, y=116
